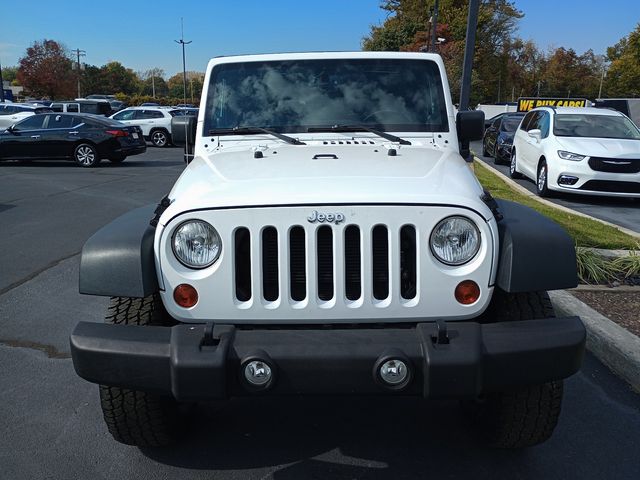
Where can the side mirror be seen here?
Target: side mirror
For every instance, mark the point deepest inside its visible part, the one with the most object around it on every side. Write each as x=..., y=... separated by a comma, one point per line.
x=183, y=134
x=469, y=126
x=535, y=133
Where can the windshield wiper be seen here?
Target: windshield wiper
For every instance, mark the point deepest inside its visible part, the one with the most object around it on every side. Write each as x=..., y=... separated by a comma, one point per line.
x=360, y=128
x=249, y=130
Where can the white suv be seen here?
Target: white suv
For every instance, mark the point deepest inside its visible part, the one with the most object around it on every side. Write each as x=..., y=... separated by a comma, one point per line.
x=154, y=121
x=11, y=113
x=591, y=151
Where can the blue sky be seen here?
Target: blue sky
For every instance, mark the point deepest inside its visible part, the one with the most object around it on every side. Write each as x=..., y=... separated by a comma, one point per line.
x=141, y=34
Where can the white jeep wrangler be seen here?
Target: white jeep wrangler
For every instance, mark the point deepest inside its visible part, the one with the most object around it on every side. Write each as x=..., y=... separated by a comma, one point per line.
x=329, y=238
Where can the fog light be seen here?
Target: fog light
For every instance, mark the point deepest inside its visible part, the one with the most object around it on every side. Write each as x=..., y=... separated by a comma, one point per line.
x=185, y=295
x=567, y=180
x=467, y=292
x=394, y=372
x=257, y=373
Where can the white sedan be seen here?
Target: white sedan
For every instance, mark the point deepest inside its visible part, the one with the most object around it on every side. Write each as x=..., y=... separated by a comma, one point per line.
x=591, y=151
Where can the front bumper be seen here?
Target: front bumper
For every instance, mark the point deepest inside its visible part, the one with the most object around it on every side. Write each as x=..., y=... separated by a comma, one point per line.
x=200, y=362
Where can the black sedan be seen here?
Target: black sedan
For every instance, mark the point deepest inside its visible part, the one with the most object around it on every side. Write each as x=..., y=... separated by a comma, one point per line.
x=498, y=137
x=81, y=137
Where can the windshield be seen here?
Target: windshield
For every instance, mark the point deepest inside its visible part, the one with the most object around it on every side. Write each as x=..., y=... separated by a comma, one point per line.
x=595, y=126
x=294, y=95
x=510, y=124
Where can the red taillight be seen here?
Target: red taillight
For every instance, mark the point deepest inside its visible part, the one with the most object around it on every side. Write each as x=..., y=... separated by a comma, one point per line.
x=118, y=133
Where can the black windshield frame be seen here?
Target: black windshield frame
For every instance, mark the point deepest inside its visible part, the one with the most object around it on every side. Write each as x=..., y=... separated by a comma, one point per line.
x=402, y=95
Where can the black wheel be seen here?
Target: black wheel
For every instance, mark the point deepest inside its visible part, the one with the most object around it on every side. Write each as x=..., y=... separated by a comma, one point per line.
x=484, y=149
x=86, y=155
x=512, y=165
x=520, y=417
x=542, y=179
x=160, y=138
x=134, y=417
x=117, y=158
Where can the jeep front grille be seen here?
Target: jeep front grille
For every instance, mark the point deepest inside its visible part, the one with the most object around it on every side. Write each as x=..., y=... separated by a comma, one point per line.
x=341, y=258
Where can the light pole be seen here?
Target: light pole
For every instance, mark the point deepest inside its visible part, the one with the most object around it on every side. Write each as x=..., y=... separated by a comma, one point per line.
x=472, y=22
x=79, y=53
x=434, y=24
x=184, y=64
x=601, y=81
x=1, y=86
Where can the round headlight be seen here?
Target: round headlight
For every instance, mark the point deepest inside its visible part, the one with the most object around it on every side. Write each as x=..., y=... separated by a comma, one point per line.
x=455, y=240
x=196, y=244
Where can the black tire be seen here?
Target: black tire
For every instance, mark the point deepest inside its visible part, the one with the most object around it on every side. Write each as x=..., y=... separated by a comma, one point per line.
x=86, y=155
x=542, y=180
x=159, y=138
x=520, y=417
x=512, y=165
x=117, y=158
x=133, y=417
x=484, y=149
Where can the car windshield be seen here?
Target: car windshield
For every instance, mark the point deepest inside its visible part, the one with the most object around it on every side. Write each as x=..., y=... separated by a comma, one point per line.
x=595, y=126
x=295, y=95
x=510, y=124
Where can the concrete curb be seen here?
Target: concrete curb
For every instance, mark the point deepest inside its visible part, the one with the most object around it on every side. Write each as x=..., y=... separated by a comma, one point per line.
x=524, y=191
x=616, y=347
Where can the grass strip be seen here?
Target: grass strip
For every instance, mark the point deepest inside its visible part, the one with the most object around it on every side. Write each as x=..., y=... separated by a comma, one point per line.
x=585, y=231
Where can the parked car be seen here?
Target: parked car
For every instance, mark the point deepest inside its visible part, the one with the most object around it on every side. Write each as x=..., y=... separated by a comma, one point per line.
x=11, y=113
x=149, y=104
x=116, y=105
x=586, y=150
x=498, y=137
x=96, y=107
x=154, y=121
x=81, y=137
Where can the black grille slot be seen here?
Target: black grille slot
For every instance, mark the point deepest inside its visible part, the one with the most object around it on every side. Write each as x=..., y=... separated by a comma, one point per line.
x=380, y=262
x=615, y=165
x=270, y=264
x=352, y=261
x=611, y=186
x=325, y=263
x=408, y=262
x=297, y=273
x=243, y=264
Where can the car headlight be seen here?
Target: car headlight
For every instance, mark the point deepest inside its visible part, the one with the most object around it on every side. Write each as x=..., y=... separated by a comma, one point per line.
x=455, y=240
x=196, y=244
x=570, y=156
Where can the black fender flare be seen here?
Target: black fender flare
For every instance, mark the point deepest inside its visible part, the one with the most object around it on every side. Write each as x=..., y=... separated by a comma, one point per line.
x=118, y=259
x=536, y=253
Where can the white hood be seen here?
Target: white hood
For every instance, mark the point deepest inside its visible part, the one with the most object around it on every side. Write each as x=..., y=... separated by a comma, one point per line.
x=326, y=174
x=601, y=147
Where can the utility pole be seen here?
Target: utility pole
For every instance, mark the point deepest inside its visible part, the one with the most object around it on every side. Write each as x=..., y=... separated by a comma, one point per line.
x=153, y=85
x=599, y=90
x=472, y=22
x=79, y=53
x=1, y=86
x=184, y=64
x=434, y=24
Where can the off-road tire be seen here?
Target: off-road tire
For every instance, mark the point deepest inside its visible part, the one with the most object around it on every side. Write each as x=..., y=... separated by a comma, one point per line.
x=520, y=417
x=133, y=417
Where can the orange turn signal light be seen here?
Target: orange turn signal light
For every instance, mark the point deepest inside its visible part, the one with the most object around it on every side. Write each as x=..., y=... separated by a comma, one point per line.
x=185, y=295
x=467, y=292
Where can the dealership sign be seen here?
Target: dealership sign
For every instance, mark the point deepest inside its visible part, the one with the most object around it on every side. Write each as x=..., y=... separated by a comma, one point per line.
x=526, y=104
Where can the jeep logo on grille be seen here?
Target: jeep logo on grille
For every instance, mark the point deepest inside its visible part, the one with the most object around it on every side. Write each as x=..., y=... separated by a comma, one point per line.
x=321, y=217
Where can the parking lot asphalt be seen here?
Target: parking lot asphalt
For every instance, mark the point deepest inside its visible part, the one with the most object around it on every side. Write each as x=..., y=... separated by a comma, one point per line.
x=624, y=212
x=50, y=420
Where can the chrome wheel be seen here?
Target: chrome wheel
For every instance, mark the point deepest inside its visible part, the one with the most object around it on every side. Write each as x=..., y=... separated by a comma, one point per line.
x=86, y=155
x=159, y=138
x=542, y=177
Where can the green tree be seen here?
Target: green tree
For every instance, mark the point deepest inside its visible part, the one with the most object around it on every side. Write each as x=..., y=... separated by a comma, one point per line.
x=194, y=86
x=623, y=75
x=46, y=70
x=117, y=78
x=408, y=28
